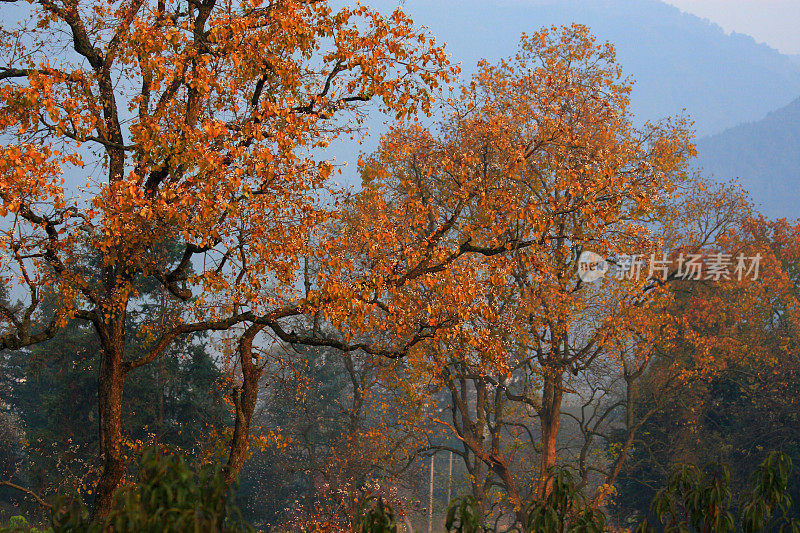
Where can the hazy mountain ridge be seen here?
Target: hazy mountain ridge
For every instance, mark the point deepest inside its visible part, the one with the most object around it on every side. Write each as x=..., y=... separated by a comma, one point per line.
x=764, y=155
x=678, y=60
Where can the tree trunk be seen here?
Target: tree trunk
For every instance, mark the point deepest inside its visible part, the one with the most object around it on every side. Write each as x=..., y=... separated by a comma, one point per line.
x=110, y=386
x=549, y=417
x=477, y=482
x=244, y=400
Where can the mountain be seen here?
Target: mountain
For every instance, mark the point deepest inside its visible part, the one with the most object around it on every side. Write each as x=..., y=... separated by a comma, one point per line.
x=764, y=155
x=678, y=60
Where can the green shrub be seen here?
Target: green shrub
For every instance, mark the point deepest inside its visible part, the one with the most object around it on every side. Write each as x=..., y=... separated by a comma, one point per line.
x=376, y=516
x=18, y=524
x=463, y=516
x=169, y=496
x=702, y=502
x=564, y=510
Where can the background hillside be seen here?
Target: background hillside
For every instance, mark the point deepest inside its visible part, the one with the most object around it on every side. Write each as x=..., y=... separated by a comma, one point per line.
x=678, y=61
x=765, y=155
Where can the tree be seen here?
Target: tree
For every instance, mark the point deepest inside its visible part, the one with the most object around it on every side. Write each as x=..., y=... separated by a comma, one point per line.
x=738, y=352
x=331, y=429
x=195, y=122
x=537, y=161
x=52, y=388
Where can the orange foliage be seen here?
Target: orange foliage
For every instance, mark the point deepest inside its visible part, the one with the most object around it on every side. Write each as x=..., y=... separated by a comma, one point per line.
x=196, y=123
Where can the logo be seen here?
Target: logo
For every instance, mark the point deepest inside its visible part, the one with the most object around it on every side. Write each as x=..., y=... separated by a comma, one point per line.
x=591, y=266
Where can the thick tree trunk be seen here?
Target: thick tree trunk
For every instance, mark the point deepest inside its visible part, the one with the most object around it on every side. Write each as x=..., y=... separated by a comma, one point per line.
x=110, y=386
x=549, y=417
x=244, y=400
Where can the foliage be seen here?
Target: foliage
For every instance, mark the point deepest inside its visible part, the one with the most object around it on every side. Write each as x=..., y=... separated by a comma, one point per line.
x=463, y=516
x=536, y=161
x=11, y=443
x=738, y=356
x=169, y=495
x=769, y=494
x=453, y=270
x=701, y=501
x=330, y=428
x=376, y=516
x=52, y=389
x=696, y=499
x=198, y=125
x=564, y=509
x=18, y=524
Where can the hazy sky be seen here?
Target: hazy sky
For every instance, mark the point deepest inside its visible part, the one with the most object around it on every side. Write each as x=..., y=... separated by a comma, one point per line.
x=775, y=22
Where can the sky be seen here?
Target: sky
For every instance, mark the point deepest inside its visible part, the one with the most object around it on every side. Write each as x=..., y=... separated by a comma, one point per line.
x=774, y=22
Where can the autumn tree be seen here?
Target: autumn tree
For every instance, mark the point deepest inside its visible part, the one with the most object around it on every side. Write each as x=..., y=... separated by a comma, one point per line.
x=194, y=123
x=738, y=350
x=331, y=428
x=536, y=162
x=52, y=388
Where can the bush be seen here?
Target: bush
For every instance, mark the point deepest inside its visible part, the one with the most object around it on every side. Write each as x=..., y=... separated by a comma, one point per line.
x=376, y=516
x=701, y=501
x=169, y=496
x=564, y=509
x=463, y=516
x=18, y=524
